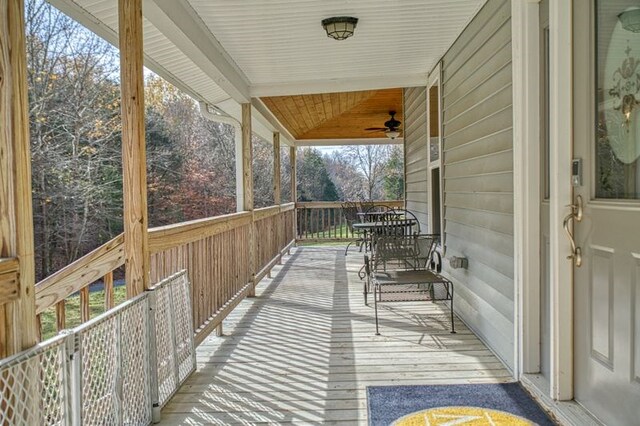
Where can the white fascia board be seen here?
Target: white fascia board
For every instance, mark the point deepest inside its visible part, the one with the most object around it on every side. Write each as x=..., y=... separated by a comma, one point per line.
x=181, y=25
x=359, y=141
x=338, y=85
x=110, y=35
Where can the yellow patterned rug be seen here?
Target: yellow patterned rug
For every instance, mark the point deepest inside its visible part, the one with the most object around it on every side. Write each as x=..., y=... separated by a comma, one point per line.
x=490, y=404
x=466, y=416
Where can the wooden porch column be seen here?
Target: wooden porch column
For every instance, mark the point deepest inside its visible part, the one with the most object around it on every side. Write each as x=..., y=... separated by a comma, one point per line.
x=277, y=192
x=17, y=275
x=247, y=189
x=294, y=192
x=292, y=160
x=134, y=168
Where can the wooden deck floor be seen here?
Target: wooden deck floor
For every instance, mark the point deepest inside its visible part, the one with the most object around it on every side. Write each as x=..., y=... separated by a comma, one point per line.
x=304, y=350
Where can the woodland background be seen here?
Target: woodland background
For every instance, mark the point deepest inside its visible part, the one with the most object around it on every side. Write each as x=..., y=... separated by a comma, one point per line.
x=74, y=100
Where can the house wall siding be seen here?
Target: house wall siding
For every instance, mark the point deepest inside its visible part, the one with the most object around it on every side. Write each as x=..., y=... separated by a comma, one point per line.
x=478, y=174
x=415, y=139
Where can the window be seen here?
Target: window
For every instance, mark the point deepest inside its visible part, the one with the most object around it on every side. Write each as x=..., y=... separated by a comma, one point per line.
x=435, y=156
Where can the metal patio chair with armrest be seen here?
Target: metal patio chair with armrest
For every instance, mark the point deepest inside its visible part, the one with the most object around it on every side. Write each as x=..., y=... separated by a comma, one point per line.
x=399, y=272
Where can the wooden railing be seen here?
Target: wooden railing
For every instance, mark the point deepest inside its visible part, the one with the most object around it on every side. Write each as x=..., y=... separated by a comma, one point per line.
x=320, y=221
x=98, y=265
x=217, y=253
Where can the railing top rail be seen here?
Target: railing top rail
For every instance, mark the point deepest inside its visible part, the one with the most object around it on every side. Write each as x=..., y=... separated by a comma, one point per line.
x=79, y=274
x=93, y=322
x=330, y=204
x=165, y=237
x=33, y=351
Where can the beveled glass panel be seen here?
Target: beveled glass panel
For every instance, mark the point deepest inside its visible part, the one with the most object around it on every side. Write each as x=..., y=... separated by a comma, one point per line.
x=617, y=146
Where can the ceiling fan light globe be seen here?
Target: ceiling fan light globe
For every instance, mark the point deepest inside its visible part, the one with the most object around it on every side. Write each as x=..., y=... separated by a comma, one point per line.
x=392, y=134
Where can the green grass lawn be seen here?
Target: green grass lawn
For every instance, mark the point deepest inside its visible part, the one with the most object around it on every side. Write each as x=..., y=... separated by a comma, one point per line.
x=72, y=309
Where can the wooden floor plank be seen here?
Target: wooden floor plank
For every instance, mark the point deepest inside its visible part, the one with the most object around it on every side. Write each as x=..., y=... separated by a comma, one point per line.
x=304, y=350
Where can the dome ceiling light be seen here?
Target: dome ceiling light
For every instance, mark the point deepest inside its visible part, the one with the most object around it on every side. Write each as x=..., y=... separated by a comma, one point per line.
x=339, y=27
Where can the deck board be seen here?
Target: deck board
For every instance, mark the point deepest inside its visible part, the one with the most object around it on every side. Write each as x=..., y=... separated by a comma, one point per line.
x=304, y=350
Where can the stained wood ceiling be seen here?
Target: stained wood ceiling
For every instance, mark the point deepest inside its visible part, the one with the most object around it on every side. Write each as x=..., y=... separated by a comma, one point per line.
x=342, y=115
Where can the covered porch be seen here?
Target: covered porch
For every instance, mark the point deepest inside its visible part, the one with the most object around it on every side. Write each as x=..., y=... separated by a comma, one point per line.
x=304, y=350
x=266, y=322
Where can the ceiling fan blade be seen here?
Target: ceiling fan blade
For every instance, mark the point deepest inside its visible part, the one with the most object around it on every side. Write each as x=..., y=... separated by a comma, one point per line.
x=377, y=129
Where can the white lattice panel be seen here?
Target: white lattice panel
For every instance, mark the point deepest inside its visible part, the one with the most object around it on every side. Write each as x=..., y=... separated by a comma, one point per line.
x=136, y=381
x=114, y=370
x=182, y=316
x=175, y=352
x=165, y=359
x=33, y=386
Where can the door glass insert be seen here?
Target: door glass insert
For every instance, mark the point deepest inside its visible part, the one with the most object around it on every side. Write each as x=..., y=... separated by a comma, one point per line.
x=617, y=150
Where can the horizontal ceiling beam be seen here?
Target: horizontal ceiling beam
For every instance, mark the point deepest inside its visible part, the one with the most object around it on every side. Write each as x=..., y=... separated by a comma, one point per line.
x=338, y=85
x=339, y=142
x=181, y=25
x=273, y=121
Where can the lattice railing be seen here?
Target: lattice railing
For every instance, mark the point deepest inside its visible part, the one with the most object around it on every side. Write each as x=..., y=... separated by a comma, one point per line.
x=112, y=366
x=105, y=372
x=175, y=350
x=34, y=386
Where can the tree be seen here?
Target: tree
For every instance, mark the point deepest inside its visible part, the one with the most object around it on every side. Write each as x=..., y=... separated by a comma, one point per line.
x=371, y=161
x=393, y=181
x=314, y=182
x=349, y=180
x=262, y=173
x=75, y=141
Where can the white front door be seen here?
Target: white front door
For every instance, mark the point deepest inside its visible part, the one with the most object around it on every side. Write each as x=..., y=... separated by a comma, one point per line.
x=606, y=140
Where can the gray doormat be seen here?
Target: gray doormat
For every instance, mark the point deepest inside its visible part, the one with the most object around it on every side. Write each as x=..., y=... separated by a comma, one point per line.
x=477, y=404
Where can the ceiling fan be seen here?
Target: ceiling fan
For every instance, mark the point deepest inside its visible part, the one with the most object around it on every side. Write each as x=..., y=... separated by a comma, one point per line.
x=391, y=127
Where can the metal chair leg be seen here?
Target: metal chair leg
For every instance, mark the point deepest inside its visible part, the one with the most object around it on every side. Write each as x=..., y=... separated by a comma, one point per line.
x=347, y=249
x=375, y=304
x=453, y=327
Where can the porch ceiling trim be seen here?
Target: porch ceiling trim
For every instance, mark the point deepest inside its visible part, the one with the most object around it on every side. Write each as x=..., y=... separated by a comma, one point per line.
x=337, y=142
x=82, y=16
x=181, y=25
x=339, y=85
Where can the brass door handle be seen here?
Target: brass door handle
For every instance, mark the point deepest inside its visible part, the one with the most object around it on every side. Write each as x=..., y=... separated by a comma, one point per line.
x=576, y=214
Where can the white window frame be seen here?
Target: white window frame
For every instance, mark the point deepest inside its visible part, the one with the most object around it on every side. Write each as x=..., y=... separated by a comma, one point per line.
x=435, y=80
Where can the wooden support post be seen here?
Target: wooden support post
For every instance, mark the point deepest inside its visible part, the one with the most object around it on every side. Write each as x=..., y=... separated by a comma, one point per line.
x=219, y=330
x=18, y=325
x=134, y=168
x=294, y=189
x=247, y=189
x=108, y=291
x=85, y=311
x=277, y=189
x=61, y=316
x=277, y=192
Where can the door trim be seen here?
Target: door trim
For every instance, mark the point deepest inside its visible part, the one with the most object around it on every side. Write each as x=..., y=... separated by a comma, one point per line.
x=525, y=37
x=526, y=166
x=561, y=141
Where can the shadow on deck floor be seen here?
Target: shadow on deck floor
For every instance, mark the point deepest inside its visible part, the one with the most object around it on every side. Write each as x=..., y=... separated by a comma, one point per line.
x=304, y=350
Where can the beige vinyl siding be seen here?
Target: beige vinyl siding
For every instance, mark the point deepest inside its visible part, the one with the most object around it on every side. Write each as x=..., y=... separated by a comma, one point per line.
x=415, y=139
x=478, y=174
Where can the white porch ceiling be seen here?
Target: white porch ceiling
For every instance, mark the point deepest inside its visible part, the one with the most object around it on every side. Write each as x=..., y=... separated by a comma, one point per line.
x=281, y=47
x=227, y=52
